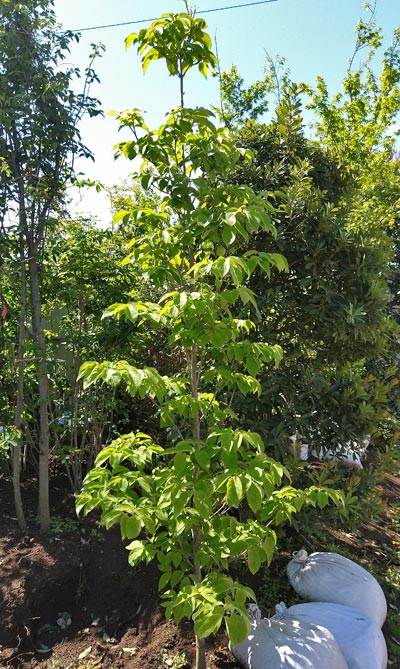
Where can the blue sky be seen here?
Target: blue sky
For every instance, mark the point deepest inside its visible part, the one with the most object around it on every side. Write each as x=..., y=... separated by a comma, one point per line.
x=314, y=36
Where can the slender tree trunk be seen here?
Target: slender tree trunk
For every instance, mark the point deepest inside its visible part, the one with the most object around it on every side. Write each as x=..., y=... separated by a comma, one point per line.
x=196, y=533
x=200, y=653
x=16, y=469
x=30, y=242
x=16, y=451
x=44, y=392
x=200, y=643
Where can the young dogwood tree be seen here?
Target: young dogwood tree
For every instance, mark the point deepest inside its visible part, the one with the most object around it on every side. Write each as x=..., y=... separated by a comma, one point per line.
x=179, y=503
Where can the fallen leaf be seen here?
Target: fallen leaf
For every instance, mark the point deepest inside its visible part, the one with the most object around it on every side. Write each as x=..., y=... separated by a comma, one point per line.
x=41, y=648
x=131, y=651
x=85, y=653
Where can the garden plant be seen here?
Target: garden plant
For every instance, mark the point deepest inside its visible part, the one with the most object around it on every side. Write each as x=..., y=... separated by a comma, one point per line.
x=209, y=493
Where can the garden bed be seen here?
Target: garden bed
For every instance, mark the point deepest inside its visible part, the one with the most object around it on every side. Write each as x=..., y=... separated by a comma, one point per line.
x=109, y=614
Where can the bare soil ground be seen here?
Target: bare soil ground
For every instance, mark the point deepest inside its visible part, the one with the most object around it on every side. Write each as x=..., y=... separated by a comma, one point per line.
x=108, y=613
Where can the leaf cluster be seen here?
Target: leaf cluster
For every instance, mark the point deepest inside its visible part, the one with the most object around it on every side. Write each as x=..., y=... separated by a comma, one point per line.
x=180, y=40
x=165, y=492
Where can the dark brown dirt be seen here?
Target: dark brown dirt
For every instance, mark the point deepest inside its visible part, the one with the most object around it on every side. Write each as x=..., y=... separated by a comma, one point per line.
x=80, y=573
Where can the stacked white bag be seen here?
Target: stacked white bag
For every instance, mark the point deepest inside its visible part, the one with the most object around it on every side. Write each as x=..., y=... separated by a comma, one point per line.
x=346, y=599
x=339, y=628
x=360, y=638
x=330, y=577
x=284, y=643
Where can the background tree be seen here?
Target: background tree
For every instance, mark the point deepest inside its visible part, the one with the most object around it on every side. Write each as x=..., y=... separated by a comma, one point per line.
x=359, y=127
x=76, y=254
x=39, y=140
x=330, y=312
x=79, y=252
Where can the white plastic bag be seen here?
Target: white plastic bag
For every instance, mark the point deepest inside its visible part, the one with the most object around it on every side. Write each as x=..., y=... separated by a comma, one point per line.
x=351, y=454
x=297, y=447
x=360, y=638
x=330, y=577
x=283, y=643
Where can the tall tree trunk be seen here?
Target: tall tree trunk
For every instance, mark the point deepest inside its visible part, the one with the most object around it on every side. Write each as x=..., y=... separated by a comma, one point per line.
x=196, y=533
x=196, y=433
x=44, y=391
x=16, y=451
x=30, y=236
x=200, y=653
x=200, y=643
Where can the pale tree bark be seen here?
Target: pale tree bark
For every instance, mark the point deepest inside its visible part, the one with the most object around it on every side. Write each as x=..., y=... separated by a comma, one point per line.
x=16, y=451
x=31, y=237
x=196, y=533
x=44, y=392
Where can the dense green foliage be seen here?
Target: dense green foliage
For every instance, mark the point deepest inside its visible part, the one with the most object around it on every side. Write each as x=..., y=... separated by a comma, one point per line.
x=336, y=206
x=78, y=253
x=39, y=141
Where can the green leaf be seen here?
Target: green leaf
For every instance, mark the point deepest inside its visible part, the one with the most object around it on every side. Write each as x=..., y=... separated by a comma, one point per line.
x=209, y=624
x=110, y=518
x=86, y=503
x=279, y=261
x=228, y=236
x=176, y=559
x=220, y=335
x=268, y=545
x=252, y=365
x=322, y=499
x=238, y=627
x=234, y=491
x=131, y=39
x=164, y=580
x=254, y=559
x=132, y=527
x=176, y=577
x=180, y=463
x=254, y=497
x=222, y=584
x=202, y=458
x=134, y=379
x=202, y=505
x=136, y=550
